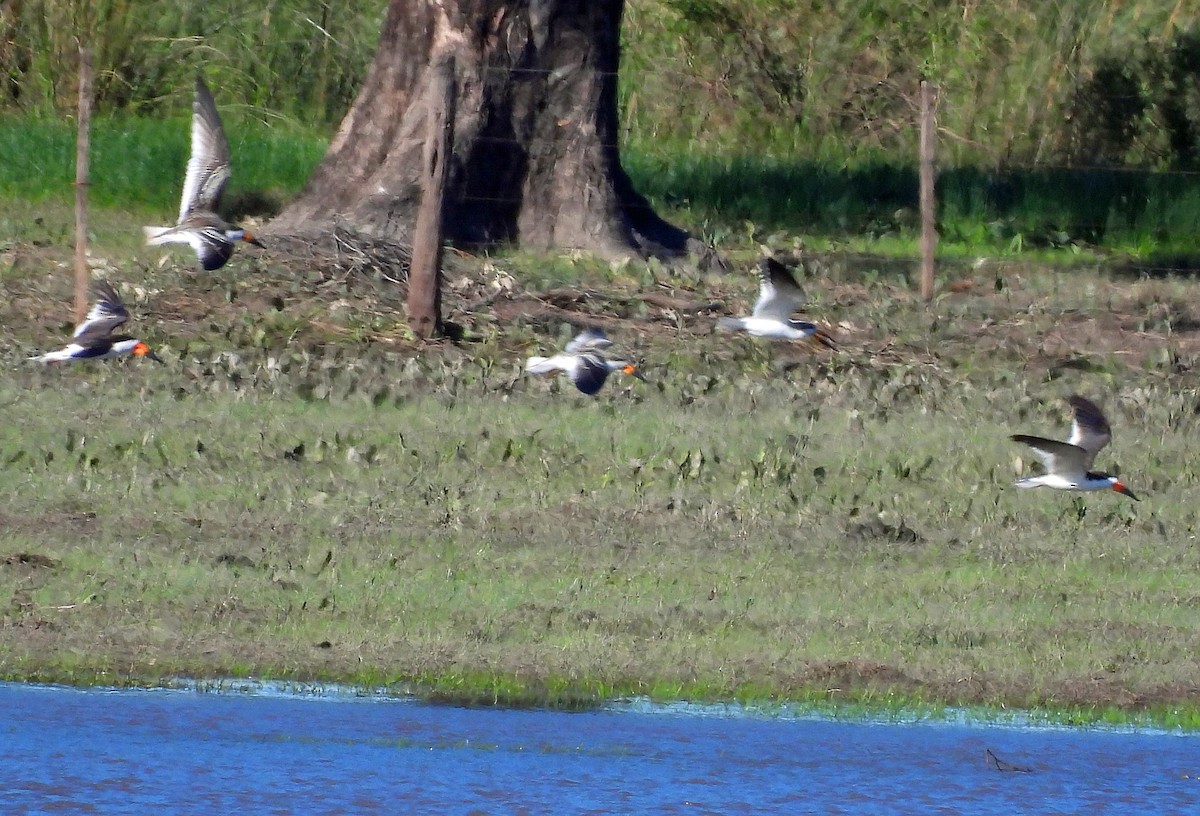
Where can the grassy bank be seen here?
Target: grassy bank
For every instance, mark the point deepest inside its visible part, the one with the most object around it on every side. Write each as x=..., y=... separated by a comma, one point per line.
x=301, y=493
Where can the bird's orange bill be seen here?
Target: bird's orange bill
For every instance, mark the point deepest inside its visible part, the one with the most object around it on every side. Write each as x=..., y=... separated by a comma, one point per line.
x=142, y=350
x=822, y=337
x=632, y=371
x=250, y=239
x=1120, y=488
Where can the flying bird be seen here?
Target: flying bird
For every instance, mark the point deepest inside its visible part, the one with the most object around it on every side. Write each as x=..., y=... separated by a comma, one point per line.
x=94, y=338
x=584, y=362
x=207, y=172
x=778, y=296
x=1068, y=463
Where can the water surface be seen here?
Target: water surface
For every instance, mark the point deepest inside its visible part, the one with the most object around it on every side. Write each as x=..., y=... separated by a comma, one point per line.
x=77, y=751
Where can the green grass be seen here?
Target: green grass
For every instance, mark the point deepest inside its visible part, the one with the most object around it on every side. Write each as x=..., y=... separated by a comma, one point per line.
x=754, y=523
x=139, y=163
x=873, y=206
x=291, y=57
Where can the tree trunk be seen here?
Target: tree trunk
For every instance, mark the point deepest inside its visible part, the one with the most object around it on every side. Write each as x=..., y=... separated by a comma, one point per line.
x=535, y=159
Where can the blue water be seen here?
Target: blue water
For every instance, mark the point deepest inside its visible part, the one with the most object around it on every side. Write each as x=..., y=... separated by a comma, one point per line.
x=71, y=751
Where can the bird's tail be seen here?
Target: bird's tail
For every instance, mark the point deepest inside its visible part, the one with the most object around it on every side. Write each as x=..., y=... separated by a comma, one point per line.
x=51, y=357
x=731, y=323
x=154, y=235
x=538, y=365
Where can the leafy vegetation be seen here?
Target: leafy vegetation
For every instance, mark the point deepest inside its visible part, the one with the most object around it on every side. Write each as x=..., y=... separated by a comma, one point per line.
x=739, y=116
x=1021, y=83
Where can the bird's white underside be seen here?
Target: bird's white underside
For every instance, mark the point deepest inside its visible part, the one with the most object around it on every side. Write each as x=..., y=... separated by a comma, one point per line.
x=73, y=351
x=1058, y=482
x=767, y=327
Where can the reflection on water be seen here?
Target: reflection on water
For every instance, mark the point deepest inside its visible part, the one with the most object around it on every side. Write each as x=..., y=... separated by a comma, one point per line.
x=71, y=751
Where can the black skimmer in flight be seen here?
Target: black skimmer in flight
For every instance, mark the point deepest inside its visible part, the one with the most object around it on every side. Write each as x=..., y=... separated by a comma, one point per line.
x=207, y=172
x=1068, y=463
x=583, y=361
x=778, y=296
x=94, y=338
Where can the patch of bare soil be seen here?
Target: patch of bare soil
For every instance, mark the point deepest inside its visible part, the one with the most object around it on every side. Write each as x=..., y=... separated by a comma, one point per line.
x=30, y=561
x=76, y=523
x=846, y=676
x=843, y=678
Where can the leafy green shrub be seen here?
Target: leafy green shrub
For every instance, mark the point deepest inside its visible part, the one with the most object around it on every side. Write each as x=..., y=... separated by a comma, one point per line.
x=1140, y=106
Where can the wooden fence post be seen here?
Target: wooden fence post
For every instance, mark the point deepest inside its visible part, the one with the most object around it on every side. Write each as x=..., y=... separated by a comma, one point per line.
x=424, y=302
x=82, y=151
x=928, y=177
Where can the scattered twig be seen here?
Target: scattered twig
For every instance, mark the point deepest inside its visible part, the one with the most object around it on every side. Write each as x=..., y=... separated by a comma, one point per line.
x=1000, y=765
x=342, y=253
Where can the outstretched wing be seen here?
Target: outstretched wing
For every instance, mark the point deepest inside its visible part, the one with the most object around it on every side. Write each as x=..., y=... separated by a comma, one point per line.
x=1062, y=458
x=106, y=314
x=208, y=166
x=589, y=373
x=542, y=365
x=589, y=339
x=1089, y=430
x=778, y=292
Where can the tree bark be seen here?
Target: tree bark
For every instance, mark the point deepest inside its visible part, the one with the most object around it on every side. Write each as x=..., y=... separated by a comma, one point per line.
x=535, y=160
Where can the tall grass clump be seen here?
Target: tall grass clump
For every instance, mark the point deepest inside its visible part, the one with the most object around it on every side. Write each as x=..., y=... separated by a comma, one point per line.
x=303, y=58
x=1020, y=83
x=1018, y=80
